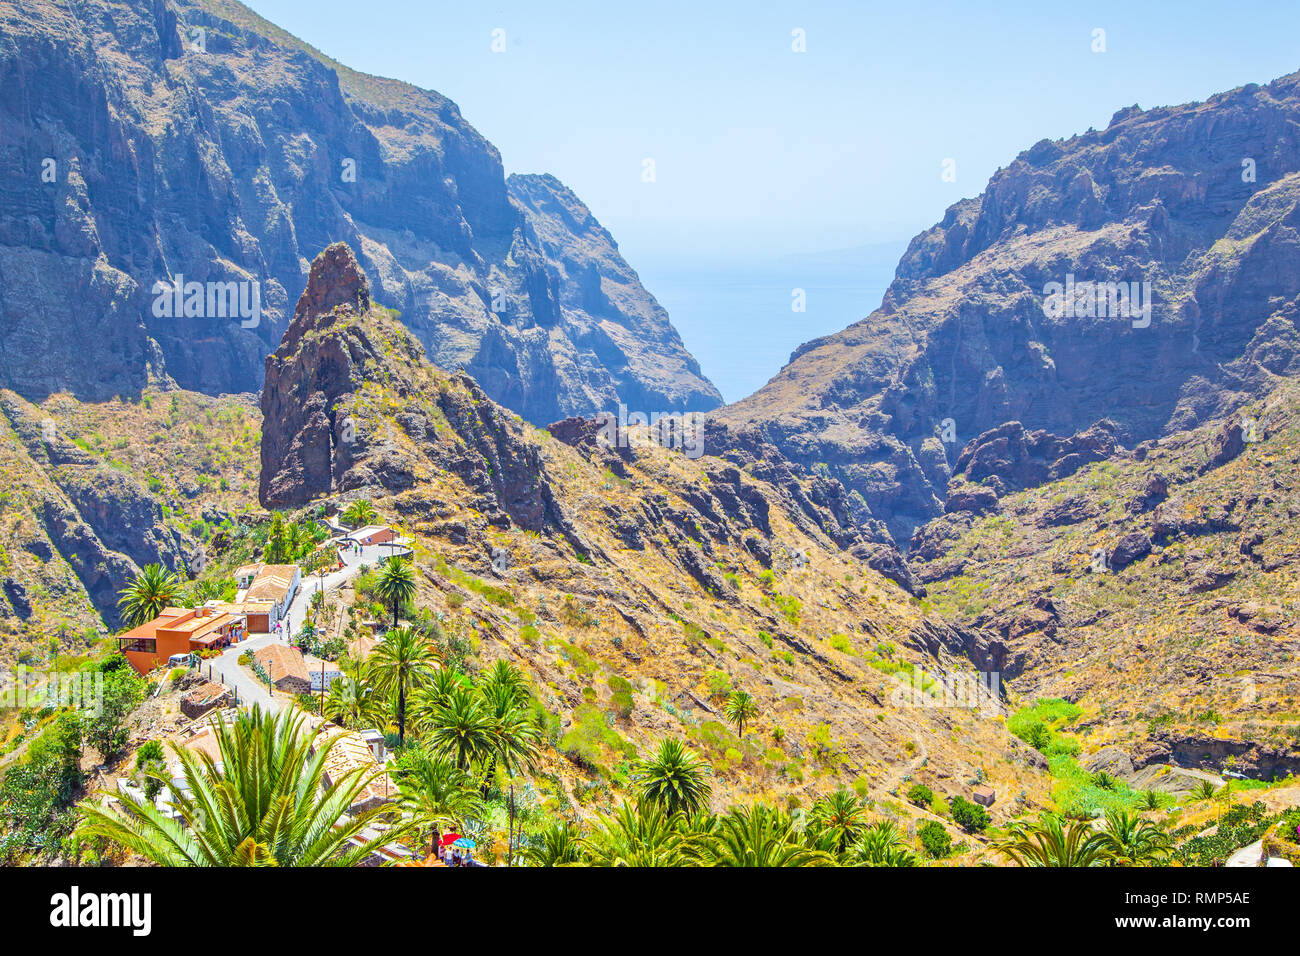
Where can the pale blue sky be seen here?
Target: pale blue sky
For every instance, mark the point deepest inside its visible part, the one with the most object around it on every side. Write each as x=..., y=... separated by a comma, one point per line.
x=762, y=153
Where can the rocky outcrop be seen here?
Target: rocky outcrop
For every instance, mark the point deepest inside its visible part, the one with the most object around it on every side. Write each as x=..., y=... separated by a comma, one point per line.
x=351, y=406
x=155, y=141
x=1010, y=458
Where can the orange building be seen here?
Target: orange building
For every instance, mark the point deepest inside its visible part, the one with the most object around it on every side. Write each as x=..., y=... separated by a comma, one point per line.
x=179, y=630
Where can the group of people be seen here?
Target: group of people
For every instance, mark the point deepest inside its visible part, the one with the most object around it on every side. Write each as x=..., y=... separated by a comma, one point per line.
x=452, y=856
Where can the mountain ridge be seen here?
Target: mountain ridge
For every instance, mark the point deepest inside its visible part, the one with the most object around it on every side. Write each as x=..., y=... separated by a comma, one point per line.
x=962, y=338
x=192, y=138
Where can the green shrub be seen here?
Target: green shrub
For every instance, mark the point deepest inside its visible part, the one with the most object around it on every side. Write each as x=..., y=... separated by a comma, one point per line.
x=920, y=795
x=971, y=817
x=934, y=837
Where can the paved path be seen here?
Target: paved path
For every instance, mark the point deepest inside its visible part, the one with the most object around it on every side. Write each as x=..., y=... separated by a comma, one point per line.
x=227, y=669
x=1247, y=855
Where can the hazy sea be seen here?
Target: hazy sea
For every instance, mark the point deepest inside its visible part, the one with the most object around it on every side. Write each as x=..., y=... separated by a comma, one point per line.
x=736, y=317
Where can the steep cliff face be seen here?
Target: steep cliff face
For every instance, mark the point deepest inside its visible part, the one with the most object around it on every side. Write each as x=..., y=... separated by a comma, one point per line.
x=1197, y=204
x=146, y=140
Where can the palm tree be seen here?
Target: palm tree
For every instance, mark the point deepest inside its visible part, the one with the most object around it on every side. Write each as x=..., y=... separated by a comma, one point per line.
x=740, y=710
x=882, y=844
x=1129, y=840
x=461, y=729
x=360, y=512
x=401, y=661
x=837, y=821
x=267, y=806
x=674, y=778
x=436, y=793
x=514, y=734
x=1049, y=842
x=352, y=699
x=559, y=846
x=640, y=835
x=510, y=680
x=432, y=694
x=396, y=583
x=152, y=590
x=759, y=836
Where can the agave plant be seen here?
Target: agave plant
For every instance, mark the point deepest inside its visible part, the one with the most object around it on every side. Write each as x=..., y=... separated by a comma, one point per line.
x=268, y=805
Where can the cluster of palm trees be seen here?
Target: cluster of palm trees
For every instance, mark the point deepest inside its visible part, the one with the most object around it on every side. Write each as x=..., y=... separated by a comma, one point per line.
x=290, y=541
x=669, y=824
x=465, y=730
x=1126, y=839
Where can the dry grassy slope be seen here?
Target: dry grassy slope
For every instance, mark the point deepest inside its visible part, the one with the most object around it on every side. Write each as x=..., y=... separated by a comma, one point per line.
x=102, y=488
x=647, y=570
x=1192, y=650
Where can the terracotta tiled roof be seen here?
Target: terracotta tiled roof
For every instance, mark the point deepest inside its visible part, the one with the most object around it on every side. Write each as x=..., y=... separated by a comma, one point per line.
x=349, y=753
x=282, y=661
x=272, y=583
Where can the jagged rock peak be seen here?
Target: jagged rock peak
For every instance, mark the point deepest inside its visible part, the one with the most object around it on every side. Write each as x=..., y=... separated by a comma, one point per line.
x=336, y=279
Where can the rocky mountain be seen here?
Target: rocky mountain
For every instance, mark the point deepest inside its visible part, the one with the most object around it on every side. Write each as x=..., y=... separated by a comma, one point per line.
x=1146, y=274
x=631, y=582
x=1154, y=587
x=168, y=168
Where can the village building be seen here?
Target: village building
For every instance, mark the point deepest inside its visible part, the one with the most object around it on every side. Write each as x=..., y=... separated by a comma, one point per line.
x=372, y=534
x=352, y=751
x=285, y=666
x=256, y=613
x=984, y=796
x=271, y=584
x=179, y=630
x=203, y=698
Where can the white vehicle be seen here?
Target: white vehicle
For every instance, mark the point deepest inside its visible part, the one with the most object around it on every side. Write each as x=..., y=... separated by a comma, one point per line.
x=179, y=660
